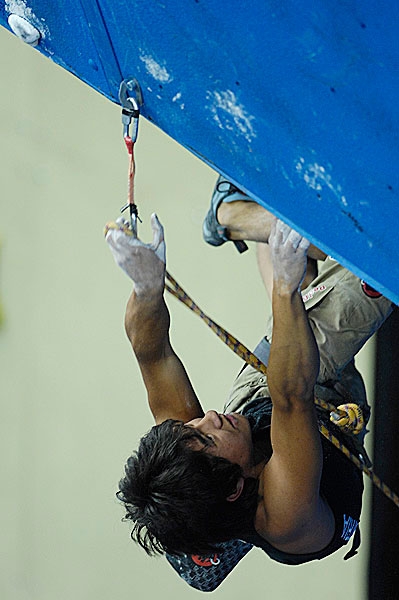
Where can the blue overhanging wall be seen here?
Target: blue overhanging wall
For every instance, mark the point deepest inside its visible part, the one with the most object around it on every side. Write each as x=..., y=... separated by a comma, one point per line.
x=297, y=103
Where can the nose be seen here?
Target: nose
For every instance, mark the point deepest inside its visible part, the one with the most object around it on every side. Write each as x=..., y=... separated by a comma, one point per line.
x=212, y=417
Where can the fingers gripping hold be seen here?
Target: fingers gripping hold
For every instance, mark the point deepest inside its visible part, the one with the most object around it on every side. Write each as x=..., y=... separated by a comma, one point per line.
x=118, y=234
x=288, y=251
x=143, y=263
x=304, y=244
x=294, y=238
x=283, y=235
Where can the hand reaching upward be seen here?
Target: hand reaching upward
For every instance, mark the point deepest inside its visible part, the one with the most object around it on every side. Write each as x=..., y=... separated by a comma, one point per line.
x=143, y=263
x=289, y=256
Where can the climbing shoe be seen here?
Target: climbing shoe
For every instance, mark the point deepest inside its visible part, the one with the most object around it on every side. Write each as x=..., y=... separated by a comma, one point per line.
x=214, y=233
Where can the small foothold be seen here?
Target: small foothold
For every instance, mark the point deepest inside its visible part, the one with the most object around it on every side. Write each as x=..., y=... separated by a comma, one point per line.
x=24, y=30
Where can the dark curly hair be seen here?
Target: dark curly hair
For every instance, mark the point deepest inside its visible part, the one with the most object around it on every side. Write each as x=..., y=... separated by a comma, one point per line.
x=176, y=495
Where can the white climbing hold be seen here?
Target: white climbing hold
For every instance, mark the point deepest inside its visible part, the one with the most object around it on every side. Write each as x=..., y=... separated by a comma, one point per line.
x=24, y=30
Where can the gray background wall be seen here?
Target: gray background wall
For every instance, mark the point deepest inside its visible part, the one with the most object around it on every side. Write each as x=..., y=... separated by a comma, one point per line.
x=72, y=403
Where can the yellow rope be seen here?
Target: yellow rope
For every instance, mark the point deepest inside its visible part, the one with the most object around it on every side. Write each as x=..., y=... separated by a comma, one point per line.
x=242, y=351
x=343, y=416
x=347, y=416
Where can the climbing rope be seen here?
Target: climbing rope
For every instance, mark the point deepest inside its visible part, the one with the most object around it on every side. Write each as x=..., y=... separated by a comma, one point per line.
x=242, y=351
x=346, y=416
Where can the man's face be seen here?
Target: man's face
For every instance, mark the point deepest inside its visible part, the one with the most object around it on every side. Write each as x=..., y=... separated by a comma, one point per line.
x=230, y=437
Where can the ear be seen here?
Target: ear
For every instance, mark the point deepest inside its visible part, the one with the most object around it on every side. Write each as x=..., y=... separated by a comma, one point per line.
x=237, y=492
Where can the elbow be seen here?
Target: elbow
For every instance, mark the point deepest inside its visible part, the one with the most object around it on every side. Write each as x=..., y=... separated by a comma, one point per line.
x=292, y=393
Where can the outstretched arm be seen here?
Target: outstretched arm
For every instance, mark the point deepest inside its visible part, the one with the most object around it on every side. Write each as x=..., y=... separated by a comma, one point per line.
x=170, y=393
x=294, y=356
x=296, y=519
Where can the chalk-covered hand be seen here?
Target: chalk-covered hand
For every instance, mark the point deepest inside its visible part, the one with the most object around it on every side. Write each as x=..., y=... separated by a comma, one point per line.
x=143, y=263
x=289, y=256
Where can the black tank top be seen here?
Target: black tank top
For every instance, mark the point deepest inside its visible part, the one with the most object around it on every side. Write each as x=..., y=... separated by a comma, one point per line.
x=341, y=485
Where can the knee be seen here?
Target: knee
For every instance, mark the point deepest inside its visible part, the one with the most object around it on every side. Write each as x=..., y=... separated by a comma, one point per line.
x=229, y=214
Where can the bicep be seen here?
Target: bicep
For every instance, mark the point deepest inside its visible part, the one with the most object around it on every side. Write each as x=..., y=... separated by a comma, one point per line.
x=297, y=449
x=169, y=389
x=292, y=476
x=293, y=515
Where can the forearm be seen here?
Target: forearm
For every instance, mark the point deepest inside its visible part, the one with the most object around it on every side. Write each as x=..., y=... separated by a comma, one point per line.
x=295, y=467
x=147, y=321
x=170, y=393
x=147, y=324
x=294, y=358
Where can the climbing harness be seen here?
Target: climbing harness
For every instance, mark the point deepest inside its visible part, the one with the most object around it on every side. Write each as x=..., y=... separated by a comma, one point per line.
x=348, y=417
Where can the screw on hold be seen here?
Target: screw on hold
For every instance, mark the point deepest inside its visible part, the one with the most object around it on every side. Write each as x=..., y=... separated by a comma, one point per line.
x=24, y=30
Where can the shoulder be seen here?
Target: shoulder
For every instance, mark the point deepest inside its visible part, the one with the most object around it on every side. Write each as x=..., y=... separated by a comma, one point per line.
x=296, y=529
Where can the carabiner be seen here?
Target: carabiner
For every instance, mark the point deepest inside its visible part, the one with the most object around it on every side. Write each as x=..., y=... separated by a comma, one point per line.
x=131, y=99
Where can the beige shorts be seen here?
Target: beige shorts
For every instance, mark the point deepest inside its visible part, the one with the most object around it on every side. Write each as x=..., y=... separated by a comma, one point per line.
x=343, y=317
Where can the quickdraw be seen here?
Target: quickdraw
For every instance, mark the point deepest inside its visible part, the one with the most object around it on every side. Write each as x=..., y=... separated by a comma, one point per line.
x=131, y=99
x=348, y=417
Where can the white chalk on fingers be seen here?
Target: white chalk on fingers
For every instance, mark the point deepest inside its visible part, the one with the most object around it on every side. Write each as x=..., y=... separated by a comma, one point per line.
x=156, y=226
x=108, y=237
x=304, y=243
x=283, y=229
x=294, y=238
x=122, y=221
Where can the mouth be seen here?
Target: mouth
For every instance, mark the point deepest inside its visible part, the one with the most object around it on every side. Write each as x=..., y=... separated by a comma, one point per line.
x=232, y=420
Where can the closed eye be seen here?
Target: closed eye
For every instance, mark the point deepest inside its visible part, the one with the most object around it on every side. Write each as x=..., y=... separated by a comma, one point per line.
x=207, y=439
